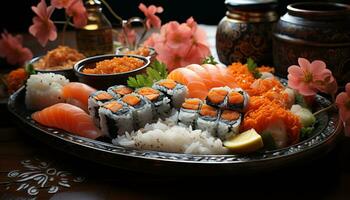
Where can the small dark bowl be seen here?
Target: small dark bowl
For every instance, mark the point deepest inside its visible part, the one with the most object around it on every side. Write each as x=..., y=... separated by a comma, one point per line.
x=123, y=50
x=68, y=73
x=103, y=81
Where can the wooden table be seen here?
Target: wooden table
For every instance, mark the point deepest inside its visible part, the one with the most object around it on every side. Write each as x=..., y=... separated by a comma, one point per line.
x=32, y=170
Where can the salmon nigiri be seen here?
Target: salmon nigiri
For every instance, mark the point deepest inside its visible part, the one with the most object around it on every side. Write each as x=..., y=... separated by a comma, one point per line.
x=194, y=83
x=77, y=94
x=69, y=118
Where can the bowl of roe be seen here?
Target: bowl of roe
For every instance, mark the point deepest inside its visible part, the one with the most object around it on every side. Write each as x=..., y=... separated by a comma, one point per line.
x=103, y=71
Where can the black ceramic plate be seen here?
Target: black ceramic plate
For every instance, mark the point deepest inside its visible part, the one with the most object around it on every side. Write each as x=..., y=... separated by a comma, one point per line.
x=324, y=138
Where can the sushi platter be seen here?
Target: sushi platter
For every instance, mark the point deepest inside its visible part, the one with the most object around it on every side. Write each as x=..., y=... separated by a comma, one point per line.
x=104, y=152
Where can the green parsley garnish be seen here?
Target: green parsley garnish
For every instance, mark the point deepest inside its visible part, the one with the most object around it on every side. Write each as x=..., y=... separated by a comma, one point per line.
x=210, y=60
x=252, y=67
x=155, y=72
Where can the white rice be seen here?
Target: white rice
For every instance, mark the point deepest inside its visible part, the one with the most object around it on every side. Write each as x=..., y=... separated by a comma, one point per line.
x=44, y=90
x=168, y=137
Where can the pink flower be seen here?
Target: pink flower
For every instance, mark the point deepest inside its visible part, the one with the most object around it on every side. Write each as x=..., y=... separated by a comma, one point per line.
x=60, y=3
x=150, y=13
x=43, y=28
x=77, y=10
x=343, y=103
x=178, y=45
x=11, y=48
x=178, y=34
x=311, y=77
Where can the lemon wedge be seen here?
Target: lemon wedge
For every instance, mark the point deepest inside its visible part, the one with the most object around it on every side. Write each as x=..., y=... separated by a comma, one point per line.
x=246, y=142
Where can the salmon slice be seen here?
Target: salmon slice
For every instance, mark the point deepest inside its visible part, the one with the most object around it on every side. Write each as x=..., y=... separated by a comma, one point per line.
x=202, y=72
x=69, y=118
x=77, y=94
x=218, y=80
x=194, y=83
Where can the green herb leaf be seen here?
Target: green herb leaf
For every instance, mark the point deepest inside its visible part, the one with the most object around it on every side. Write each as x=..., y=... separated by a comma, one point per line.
x=155, y=72
x=30, y=69
x=252, y=67
x=306, y=132
x=210, y=60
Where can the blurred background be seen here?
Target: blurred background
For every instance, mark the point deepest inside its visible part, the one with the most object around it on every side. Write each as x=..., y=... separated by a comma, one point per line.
x=16, y=16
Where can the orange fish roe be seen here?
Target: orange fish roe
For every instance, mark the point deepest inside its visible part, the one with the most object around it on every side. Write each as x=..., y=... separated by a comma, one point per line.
x=235, y=98
x=266, y=69
x=131, y=99
x=113, y=106
x=241, y=75
x=149, y=93
x=192, y=104
x=115, y=65
x=15, y=79
x=262, y=112
x=103, y=96
x=207, y=110
x=217, y=95
x=230, y=115
x=123, y=90
x=168, y=83
x=142, y=51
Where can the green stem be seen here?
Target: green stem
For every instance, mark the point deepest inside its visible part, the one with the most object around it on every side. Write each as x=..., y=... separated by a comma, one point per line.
x=324, y=109
x=111, y=11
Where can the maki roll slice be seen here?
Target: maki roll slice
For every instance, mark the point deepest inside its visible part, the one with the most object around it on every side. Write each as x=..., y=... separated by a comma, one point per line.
x=175, y=91
x=160, y=102
x=115, y=118
x=207, y=120
x=217, y=97
x=228, y=124
x=118, y=91
x=188, y=114
x=96, y=100
x=141, y=109
x=237, y=99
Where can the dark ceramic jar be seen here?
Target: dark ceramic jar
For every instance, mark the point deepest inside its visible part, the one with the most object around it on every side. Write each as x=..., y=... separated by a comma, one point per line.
x=246, y=31
x=314, y=31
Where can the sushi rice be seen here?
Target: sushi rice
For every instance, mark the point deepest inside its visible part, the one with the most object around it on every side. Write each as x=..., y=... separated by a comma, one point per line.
x=44, y=90
x=167, y=137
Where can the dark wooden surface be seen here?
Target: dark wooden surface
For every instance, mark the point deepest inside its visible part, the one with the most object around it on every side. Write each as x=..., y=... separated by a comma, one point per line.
x=325, y=178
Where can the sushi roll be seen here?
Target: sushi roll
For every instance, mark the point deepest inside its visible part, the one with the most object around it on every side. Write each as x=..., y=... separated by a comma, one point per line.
x=160, y=102
x=175, y=91
x=228, y=124
x=188, y=114
x=115, y=118
x=118, y=91
x=217, y=97
x=96, y=100
x=237, y=99
x=207, y=120
x=141, y=109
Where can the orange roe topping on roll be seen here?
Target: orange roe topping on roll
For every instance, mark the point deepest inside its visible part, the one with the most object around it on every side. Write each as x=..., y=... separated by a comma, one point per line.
x=150, y=93
x=113, y=106
x=168, y=83
x=103, y=96
x=217, y=95
x=123, y=90
x=230, y=115
x=235, y=98
x=192, y=104
x=131, y=99
x=207, y=110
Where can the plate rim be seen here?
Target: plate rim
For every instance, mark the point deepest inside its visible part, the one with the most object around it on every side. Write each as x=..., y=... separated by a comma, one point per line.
x=173, y=157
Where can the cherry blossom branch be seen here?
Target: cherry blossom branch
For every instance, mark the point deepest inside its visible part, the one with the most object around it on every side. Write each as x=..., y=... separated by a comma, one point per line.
x=112, y=12
x=64, y=29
